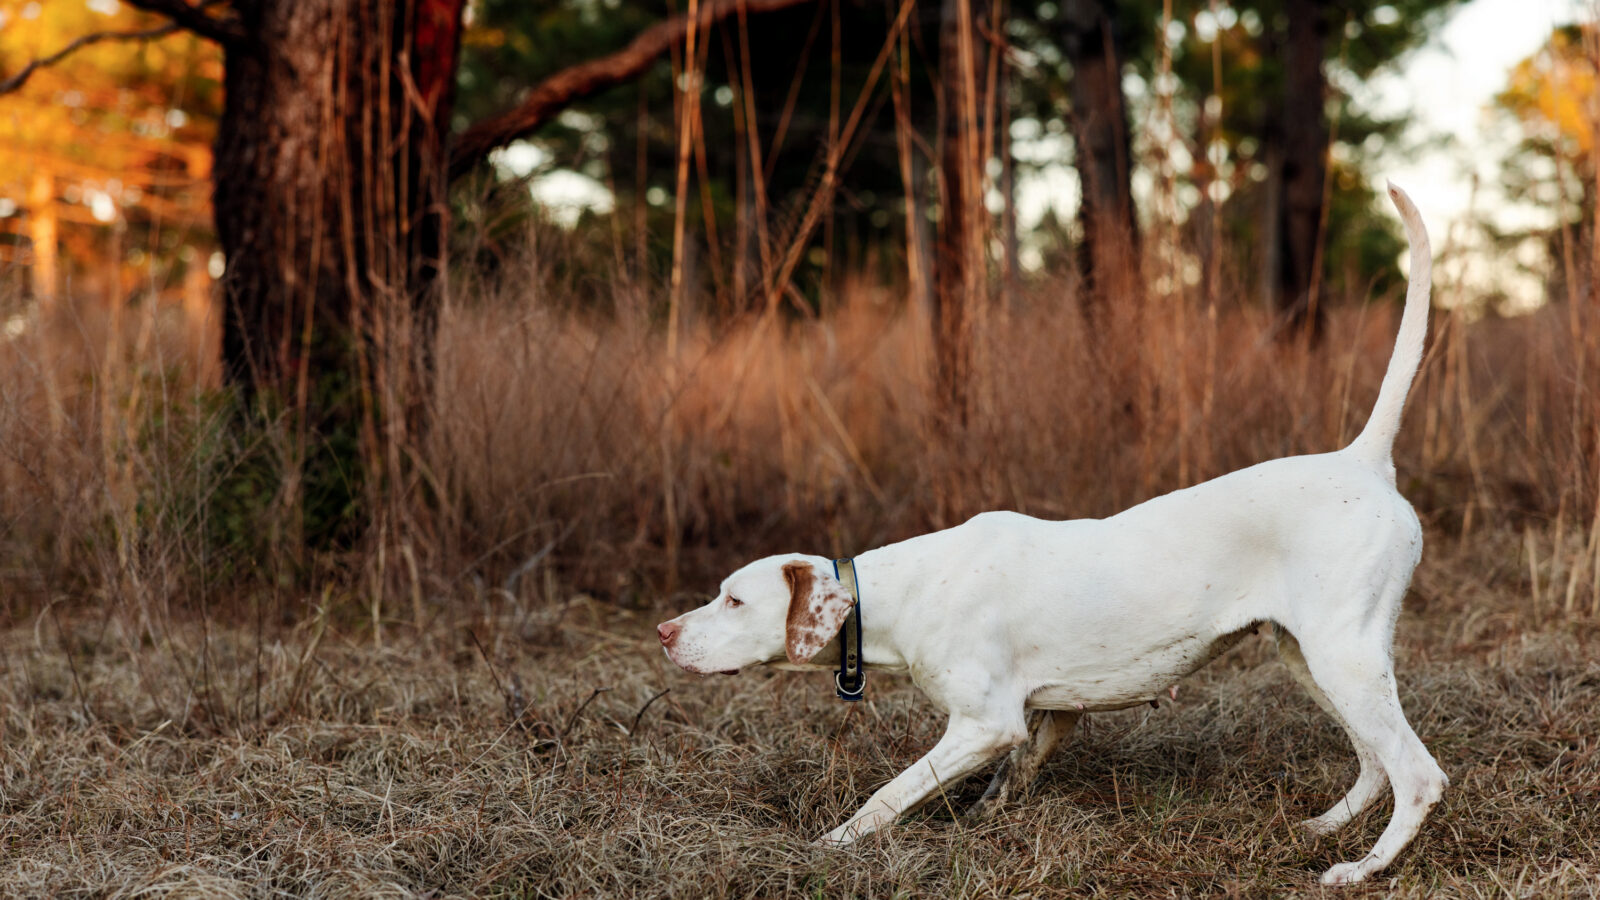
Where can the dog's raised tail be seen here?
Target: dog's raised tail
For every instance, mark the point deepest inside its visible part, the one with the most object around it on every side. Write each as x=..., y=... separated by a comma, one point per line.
x=1375, y=443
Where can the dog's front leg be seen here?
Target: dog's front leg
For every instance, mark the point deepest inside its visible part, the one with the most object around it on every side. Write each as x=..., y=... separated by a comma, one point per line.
x=1046, y=729
x=968, y=744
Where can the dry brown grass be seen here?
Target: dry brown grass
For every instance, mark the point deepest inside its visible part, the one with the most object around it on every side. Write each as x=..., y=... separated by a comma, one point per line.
x=566, y=443
x=313, y=764
x=568, y=432
x=106, y=447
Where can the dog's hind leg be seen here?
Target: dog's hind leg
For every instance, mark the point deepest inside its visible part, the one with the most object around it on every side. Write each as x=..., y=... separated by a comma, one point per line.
x=1046, y=729
x=1357, y=677
x=1370, y=783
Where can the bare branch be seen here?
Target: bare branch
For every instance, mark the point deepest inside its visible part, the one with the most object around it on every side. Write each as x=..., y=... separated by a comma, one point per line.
x=15, y=82
x=574, y=83
x=224, y=29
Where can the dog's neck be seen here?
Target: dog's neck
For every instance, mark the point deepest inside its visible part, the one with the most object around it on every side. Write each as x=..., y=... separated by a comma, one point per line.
x=883, y=590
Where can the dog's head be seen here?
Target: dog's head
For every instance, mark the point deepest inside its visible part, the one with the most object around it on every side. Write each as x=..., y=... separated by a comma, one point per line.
x=782, y=607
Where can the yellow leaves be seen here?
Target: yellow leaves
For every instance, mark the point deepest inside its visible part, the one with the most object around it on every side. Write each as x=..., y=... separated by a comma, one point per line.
x=490, y=38
x=112, y=108
x=118, y=129
x=1553, y=92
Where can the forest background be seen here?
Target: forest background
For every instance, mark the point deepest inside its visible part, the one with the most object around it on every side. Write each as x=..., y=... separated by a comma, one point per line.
x=374, y=374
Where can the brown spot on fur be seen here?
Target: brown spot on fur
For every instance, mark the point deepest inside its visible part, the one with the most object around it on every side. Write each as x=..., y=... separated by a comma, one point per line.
x=803, y=617
x=815, y=611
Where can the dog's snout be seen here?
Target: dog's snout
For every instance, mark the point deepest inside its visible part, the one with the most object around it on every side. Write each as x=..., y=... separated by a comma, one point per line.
x=668, y=632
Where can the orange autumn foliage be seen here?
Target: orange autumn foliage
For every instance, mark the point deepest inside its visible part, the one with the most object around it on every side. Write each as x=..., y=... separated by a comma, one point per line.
x=105, y=155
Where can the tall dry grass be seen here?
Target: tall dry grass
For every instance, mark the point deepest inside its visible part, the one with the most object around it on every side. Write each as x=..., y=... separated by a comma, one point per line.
x=108, y=449
x=561, y=436
x=556, y=428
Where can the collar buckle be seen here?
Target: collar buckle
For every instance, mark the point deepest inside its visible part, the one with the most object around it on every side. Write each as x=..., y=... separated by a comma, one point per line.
x=850, y=682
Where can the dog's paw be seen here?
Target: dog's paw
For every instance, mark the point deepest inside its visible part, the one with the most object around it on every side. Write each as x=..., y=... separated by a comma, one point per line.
x=843, y=836
x=863, y=824
x=1348, y=873
x=1321, y=825
x=981, y=811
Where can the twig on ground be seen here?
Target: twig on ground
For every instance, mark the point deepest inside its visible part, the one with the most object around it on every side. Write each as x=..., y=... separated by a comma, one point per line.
x=579, y=711
x=633, y=730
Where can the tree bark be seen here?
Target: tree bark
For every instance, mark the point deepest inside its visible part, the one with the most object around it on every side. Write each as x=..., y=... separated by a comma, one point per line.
x=958, y=257
x=1108, y=257
x=1303, y=167
x=329, y=198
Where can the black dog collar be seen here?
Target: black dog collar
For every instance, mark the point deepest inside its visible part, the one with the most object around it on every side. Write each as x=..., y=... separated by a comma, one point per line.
x=851, y=681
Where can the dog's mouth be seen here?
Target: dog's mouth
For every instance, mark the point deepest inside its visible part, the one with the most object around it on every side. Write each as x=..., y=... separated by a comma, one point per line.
x=693, y=669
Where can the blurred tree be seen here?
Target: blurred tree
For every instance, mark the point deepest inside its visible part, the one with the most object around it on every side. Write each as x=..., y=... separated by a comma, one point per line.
x=1094, y=42
x=966, y=113
x=1300, y=166
x=1554, y=95
x=113, y=137
x=330, y=177
x=327, y=187
x=1266, y=114
x=775, y=89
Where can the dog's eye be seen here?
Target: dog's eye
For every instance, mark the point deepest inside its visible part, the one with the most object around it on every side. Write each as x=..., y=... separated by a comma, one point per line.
x=735, y=603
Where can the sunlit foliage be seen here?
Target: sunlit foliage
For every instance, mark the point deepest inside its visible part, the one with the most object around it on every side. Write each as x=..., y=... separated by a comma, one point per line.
x=111, y=141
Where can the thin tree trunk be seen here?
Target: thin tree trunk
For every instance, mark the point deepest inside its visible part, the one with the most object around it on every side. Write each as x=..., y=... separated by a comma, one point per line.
x=959, y=258
x=42, y=238
x=1304, y=166
x=1271, y=239
x=959, y=274
x=746, y=267
x=913, y=179
x=1109, y=255
x=920, y=231
x=1011, y=267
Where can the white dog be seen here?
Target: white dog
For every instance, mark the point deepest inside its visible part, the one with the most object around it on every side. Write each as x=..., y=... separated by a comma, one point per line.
x=1006, y=613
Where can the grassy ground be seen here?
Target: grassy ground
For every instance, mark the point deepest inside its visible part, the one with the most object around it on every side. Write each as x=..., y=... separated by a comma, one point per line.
x=313, y=763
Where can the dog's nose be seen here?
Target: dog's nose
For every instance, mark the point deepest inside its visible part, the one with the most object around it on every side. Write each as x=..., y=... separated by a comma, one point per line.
x=668, y=633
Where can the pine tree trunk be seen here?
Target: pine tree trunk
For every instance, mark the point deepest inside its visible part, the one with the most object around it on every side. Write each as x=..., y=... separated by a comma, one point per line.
x=329, y=197
x=958, y=252
x=1109, y=255
x=1303, y=164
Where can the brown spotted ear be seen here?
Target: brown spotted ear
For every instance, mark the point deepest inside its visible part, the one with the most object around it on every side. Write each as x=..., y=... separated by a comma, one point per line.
x=817, y=607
